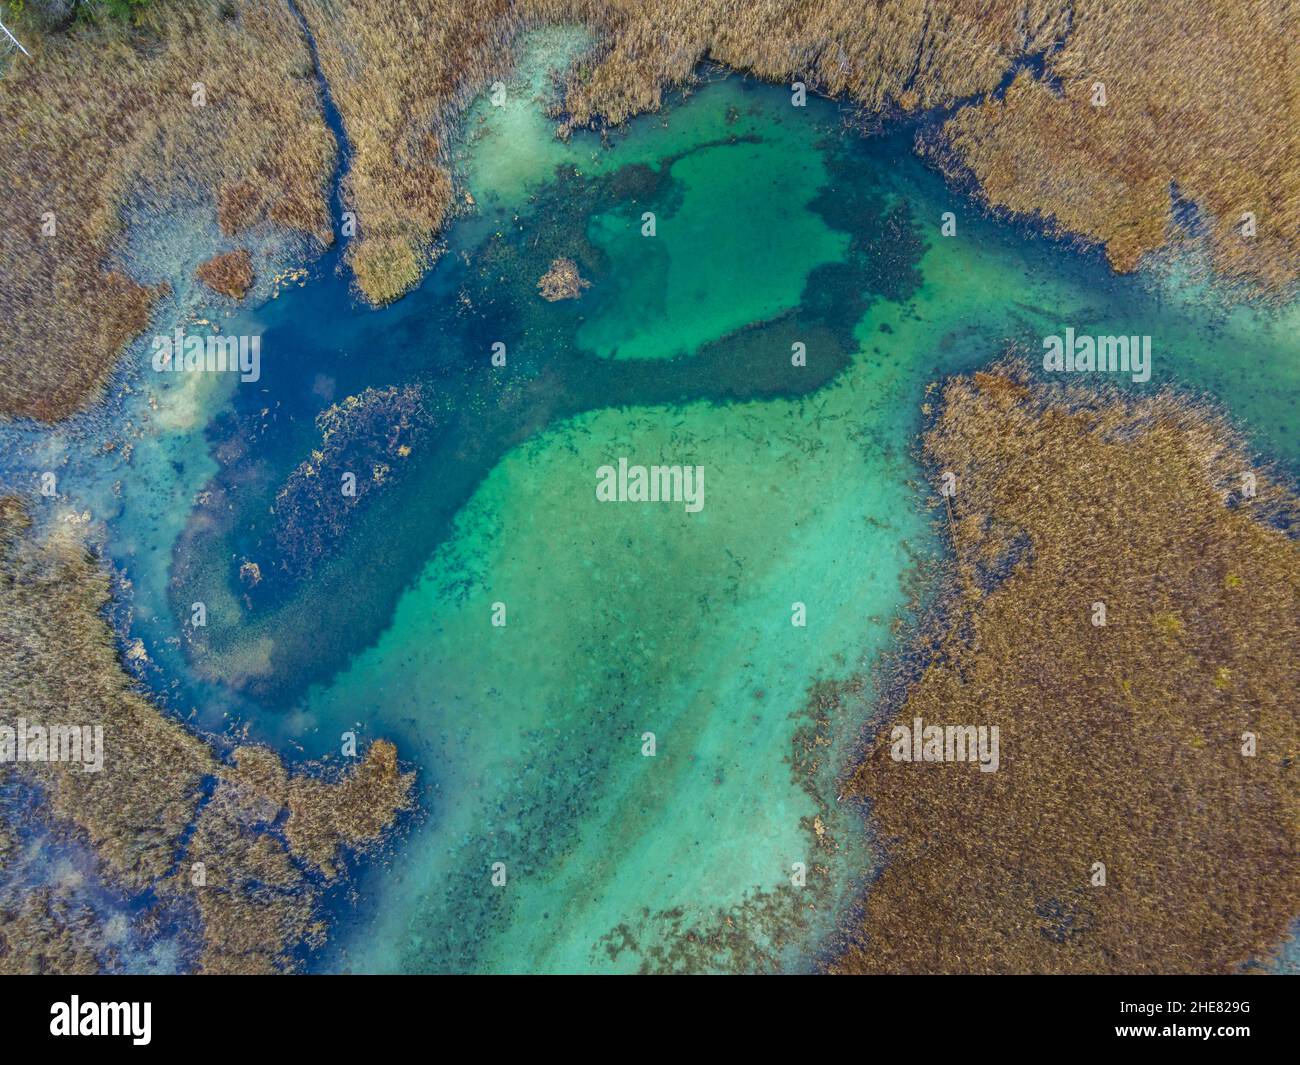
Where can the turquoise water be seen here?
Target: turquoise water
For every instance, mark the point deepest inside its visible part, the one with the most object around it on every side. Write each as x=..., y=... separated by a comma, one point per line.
x=775, y=226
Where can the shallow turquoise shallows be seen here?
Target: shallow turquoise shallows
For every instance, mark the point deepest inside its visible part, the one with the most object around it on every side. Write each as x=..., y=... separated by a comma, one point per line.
x=624, y=775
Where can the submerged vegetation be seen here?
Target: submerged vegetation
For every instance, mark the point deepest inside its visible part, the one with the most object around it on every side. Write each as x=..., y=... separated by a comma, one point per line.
x=218, y=103
x=418, y=449
x=1124, y=604
x=365, y=441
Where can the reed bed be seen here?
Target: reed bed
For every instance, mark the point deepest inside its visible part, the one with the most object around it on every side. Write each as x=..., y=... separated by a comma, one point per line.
x=230, y=274
x=144, y=815
x=99, y=128
x=1202, y=102
x=1120, y=743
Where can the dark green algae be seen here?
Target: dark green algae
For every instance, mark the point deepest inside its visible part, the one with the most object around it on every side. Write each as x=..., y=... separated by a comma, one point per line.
x=441, y=339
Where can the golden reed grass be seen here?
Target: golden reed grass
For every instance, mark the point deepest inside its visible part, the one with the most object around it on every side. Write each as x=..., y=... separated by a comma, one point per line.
x=230, y=274
x=99, y=128
x=260, y=891
x=1120, y=743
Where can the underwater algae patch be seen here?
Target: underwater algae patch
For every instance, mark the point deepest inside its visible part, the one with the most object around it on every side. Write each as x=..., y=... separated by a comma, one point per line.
x=242, y=842
x=436, y=435
x=1122, y=743
x=758, y=933
x=372, y=433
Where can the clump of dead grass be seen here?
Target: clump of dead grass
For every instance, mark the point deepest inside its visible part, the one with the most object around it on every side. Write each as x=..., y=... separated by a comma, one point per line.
x=230, y=274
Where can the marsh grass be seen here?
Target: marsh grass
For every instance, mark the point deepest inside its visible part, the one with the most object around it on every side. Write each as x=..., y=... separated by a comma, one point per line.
x=166, y=798
x=1120, y=743
x=99, y=127
x=1195, y=101
x=230, y=274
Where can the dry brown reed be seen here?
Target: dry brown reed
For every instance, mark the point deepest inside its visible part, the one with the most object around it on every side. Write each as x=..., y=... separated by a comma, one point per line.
x=230, y=274
x=99, y=127
x=1120, y=743
x=143, y=814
